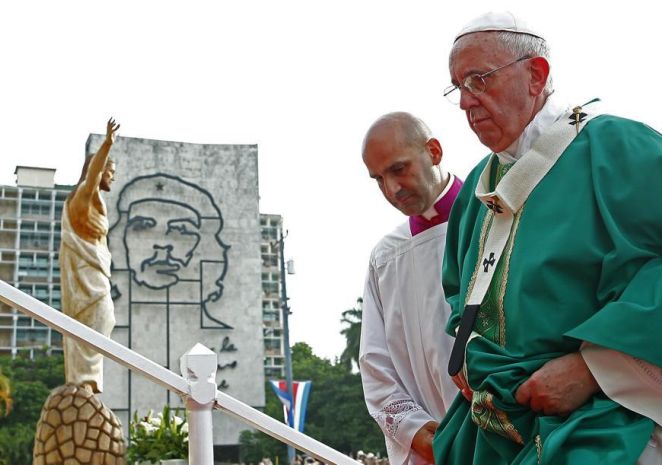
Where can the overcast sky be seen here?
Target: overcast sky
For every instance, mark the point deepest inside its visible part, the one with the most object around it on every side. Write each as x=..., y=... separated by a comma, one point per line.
x=303, y=80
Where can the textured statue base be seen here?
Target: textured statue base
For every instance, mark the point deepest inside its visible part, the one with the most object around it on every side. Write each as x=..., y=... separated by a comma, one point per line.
x=75, y=428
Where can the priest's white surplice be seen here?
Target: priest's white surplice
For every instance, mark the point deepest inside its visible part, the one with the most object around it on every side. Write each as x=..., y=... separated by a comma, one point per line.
x=404, y=348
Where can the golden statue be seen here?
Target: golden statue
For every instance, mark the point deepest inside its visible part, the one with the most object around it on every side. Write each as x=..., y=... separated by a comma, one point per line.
x=75, y=427
x=85, y=263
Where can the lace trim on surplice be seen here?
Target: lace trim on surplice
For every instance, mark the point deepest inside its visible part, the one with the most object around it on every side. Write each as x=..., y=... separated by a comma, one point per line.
x=390, y=417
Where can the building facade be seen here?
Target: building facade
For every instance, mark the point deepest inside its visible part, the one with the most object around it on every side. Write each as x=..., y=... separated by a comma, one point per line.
x=271, y=227
x=30, y=215
x=222, y=290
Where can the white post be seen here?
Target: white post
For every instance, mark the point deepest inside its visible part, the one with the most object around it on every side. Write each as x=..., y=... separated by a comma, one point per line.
x=198, y=367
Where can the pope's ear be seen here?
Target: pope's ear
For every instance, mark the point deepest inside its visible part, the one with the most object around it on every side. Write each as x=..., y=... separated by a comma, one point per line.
x=434, y=149
x=539, y=67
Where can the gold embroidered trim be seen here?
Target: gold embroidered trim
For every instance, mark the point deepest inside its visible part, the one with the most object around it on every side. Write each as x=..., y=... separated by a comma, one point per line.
x=504, y=276
x=488, y=417
x=538, y=442
x=505, y=258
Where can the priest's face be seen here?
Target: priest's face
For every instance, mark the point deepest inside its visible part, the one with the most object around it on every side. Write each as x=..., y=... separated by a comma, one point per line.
x=407, y=175
x=499, y=114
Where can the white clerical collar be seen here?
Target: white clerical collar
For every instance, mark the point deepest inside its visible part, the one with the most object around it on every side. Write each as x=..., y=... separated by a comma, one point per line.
x=548, y=115
x=432, y=212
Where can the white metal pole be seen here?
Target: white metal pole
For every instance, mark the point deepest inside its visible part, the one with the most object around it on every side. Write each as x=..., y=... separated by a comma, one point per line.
x=200, y=433
x=198, y=367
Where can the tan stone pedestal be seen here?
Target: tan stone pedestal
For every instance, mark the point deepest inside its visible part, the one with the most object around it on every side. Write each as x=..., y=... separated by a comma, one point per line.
x=75, y=428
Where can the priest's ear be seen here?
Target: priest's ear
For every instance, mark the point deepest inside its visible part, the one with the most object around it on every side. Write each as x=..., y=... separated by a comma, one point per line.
x=539, y=70
x=433, y=148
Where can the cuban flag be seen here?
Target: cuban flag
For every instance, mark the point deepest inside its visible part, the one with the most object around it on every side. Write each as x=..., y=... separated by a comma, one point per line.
x=294, y=412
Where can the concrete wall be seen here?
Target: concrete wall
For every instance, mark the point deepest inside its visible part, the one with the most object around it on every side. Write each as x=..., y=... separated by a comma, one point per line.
x=35, y=176
x=185, y=241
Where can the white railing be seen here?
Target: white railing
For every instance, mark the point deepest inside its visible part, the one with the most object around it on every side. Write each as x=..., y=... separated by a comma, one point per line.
x=198, y=389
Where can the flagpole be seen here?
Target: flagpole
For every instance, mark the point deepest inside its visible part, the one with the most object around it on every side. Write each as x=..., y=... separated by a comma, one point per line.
x=286, y=338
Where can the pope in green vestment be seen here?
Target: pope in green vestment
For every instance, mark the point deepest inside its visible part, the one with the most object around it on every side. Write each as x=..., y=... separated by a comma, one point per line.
x=583, y=263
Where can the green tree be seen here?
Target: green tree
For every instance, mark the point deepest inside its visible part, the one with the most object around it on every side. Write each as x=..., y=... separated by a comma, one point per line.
x=5, y=395
x=336, y=413
x=31, y=381
x=255, y=445
x=352, y=332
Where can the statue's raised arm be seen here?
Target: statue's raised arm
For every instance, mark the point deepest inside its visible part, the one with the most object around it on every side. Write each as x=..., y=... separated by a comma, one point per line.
x=86, y=209
x=97, y=164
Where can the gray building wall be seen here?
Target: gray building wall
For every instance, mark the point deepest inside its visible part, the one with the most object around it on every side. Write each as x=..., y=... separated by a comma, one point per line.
x=185, y=239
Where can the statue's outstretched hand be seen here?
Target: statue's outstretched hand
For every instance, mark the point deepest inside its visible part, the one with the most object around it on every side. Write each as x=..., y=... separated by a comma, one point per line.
x=111, y=130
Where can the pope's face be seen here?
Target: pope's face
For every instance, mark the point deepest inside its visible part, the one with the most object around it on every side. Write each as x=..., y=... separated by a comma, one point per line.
x=499, y=115
x=160, y=239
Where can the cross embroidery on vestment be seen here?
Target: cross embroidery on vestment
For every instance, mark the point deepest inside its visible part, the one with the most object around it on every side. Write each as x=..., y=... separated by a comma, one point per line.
x=487, y=263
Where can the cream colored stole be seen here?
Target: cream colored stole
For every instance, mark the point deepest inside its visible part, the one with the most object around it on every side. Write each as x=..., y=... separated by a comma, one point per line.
x=505, y=200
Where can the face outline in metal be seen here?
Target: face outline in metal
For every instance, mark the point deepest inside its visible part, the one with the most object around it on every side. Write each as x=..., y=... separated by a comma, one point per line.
x=173, y=230
x=169, y=230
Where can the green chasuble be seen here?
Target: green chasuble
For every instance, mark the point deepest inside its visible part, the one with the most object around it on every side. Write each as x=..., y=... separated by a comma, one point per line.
x=583, y=263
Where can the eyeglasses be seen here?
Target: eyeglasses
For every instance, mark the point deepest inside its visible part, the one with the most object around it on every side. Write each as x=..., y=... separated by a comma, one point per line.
x=474, y=83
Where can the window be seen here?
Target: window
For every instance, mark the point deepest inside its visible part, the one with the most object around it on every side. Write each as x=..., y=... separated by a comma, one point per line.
x=23, y=321
x=56, y=340
x=273, y=344
x=273, y=372
x=29, y=194
x=270, y=288
x=31, y=337
x=33, y=240
x=269, y=260
x=25, y=288
x=35, y=208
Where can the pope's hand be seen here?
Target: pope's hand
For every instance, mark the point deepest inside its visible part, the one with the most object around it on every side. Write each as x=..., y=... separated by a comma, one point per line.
x=463, y=386
x=559, y=387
